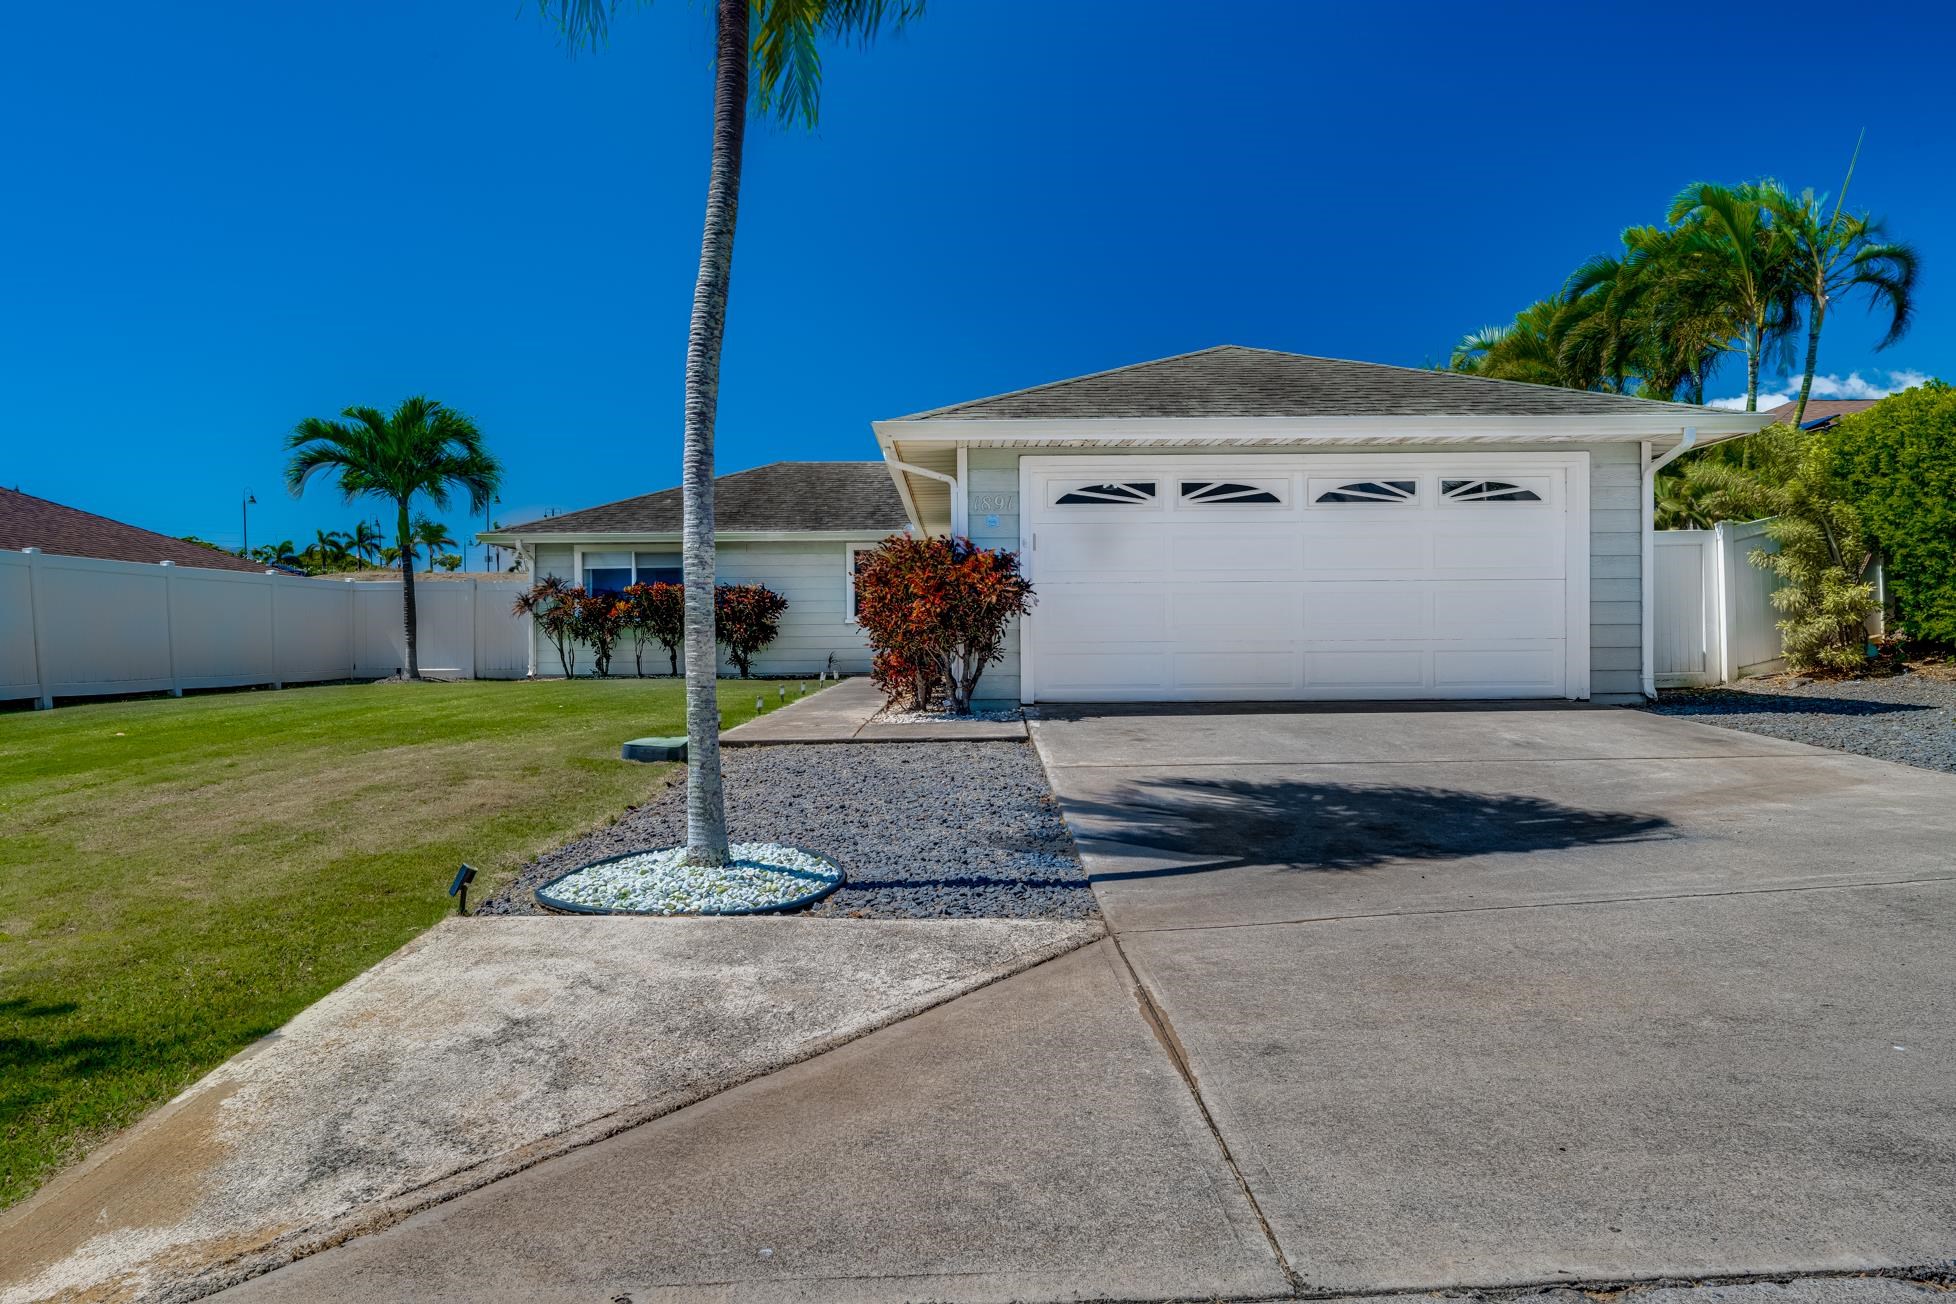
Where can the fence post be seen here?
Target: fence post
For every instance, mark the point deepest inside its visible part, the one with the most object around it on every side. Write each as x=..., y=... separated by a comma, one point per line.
x=170, y=622
x=278, y=679
x=37, y=617
x=475, y=635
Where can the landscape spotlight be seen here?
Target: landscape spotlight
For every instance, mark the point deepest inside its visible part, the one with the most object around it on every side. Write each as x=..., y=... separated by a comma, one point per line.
x=460, y=887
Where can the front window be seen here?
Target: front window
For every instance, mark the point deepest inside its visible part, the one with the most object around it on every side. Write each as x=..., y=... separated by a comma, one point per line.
x=610, y=572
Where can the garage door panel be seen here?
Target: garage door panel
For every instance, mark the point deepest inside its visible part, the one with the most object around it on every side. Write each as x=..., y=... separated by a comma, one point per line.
x=1362, y=671
x=1102, y=552
x=1364, y=612
x=1230, y=552
x=1466, y=551
x=1094, y=613
x=1336, y=549
x=1506, y=671
x=1252, y=674
x=1101, y=674
x=1499, y=609
x=1214, y=615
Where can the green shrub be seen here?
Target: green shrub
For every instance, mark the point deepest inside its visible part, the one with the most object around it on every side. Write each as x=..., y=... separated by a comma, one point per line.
x=1896, y=463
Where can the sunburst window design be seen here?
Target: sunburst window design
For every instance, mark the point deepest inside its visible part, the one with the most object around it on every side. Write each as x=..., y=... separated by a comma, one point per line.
x=1372, y=491
x=1486, y=491
x=1101, y=495
x=1225, y=491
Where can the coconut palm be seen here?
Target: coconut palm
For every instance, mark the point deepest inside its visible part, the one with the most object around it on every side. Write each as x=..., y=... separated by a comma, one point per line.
x=1834, y=257
x=433, y=537
x=776, y=43
x=421, y=450
x=366, y=541
x=1731, y=227
x=1529, y=349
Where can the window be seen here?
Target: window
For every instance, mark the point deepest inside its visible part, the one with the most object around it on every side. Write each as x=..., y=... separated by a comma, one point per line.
x=1486, y=491
x=1227, y=491
x=1371, y=491
x=1101, y=495
x=611, y=571
x=852, y=556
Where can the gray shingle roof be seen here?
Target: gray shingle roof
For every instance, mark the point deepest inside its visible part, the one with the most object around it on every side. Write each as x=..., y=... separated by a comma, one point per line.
x=1232, y=381
x=779, y=496
x=30, y=522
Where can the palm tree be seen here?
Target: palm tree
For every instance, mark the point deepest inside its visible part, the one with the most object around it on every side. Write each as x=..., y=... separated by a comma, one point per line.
x=1528, y=350
x=434, y=536
x=777, y=42
x=367, y=540
x=1732, y=227
x=1833, y=257
x=420, y=450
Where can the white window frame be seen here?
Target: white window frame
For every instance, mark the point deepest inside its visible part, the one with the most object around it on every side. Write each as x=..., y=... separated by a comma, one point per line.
x=849, y=551
x=578, y=550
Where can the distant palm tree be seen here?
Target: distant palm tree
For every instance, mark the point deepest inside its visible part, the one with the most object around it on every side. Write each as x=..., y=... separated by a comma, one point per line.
x=282, y=553
x=367, y=540
x=778, y=43
x=1732, y=226
x=1833, y=257
x=433, y=536
x=420, y=450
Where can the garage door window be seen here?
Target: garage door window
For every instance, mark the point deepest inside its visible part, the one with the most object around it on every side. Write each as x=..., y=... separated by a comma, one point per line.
x=1107, y=495
x=1370, y=491
x=1487, y=491
x=1229, y=492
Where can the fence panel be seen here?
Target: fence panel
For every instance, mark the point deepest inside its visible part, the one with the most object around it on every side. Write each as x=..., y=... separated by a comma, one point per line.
x=1686, y=612
x=1752, y=643
x=88, y=627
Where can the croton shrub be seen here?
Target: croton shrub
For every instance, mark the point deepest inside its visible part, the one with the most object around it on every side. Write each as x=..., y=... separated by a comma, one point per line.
x=746, y=618
x=936, y=611
x=656, y=613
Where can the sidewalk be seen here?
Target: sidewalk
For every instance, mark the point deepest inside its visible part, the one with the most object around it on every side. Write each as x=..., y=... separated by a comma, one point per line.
x=845, y=714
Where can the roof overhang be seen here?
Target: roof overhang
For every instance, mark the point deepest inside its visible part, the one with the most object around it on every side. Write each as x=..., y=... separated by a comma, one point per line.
x=515, y=538
x=1712, y=424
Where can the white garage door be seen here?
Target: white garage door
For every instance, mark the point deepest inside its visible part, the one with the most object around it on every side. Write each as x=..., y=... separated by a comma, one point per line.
x=1260, y=578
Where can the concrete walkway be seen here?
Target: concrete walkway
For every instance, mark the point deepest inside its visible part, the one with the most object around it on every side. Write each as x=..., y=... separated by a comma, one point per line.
x=846, y=713
x=482, y=1048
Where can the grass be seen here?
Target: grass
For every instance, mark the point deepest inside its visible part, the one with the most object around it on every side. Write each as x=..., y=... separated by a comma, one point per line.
x=180, y=877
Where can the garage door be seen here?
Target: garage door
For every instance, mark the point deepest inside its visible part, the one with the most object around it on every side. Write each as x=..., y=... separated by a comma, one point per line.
x=1379, y=576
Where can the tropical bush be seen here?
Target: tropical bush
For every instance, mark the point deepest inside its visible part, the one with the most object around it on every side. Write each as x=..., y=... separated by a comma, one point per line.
x=746, y=617
x=598, y=621
x=936, y=611
x=1896, y=463
x=553, y=605
x=1823, y=555
x=656, y=613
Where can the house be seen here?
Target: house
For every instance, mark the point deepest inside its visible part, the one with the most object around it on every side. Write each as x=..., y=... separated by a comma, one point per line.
x=793, y=526
x=1822, y=412
x=30, y=522
x=1235, y=523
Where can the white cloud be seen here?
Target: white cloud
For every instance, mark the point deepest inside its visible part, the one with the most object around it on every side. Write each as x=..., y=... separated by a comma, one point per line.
x=1853, y=385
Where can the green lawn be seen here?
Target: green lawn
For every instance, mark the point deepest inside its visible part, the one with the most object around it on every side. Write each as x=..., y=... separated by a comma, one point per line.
x=180, y=877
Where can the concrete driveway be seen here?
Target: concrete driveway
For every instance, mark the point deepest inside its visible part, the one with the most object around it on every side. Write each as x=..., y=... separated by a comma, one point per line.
x=1505, y=995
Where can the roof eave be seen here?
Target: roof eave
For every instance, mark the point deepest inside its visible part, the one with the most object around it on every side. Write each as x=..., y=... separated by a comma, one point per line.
x=515, y=538
x=1712, y=424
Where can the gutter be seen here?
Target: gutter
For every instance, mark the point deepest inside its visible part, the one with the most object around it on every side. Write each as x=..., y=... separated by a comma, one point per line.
x=1647, y=567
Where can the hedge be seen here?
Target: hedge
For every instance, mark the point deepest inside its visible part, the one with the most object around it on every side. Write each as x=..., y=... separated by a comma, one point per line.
x=1896, y=462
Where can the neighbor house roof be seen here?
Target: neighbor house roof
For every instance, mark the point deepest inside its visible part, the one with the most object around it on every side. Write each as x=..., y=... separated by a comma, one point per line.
x=30, y=522
x=1822, y=411
x=1232, y=381
x=777, y=498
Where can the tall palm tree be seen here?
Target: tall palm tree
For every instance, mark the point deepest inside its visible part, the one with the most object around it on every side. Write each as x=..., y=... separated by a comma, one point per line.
x=777, y=44
x=420, y=450
x=1835, y=256
x=433, y=536
x=1529, y=349
x=367, y=540
x=1733, y=227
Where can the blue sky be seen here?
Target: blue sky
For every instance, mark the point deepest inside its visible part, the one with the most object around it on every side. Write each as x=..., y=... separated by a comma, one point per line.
x=223, y=217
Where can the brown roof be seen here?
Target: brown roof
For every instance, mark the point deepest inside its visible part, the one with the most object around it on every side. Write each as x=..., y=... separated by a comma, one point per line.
x=1232, y=381
x=1828, y=410
x=30, y=522
x=779, y=496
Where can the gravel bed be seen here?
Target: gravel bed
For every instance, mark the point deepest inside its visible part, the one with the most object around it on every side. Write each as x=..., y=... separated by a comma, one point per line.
x=760, y=876
x=1910, y=717
x=887, y=716
x=923, y=830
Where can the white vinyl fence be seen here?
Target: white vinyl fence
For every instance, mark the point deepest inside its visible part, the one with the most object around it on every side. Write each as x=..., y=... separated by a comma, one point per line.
x=1714, y=618
x=79, y=627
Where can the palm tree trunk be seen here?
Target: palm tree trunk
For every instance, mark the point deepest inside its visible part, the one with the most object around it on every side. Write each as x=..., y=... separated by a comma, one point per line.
x=1816, y=317
x=1754, y=343
x=407, y=597
x=706, y=806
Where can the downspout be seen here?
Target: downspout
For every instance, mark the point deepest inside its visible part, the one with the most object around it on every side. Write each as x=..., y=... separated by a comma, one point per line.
x=927, y=473
x=1647, y=567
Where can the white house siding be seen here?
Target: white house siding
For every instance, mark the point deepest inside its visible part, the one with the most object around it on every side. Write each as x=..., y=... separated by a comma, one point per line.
x=1615, y=549
x=810, y=575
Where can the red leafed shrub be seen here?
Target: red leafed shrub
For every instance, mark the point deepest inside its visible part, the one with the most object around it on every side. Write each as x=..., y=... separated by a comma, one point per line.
x=936, y=611
x=597, y=619
x=746, y=617
x=553, y=605
x=656, y=613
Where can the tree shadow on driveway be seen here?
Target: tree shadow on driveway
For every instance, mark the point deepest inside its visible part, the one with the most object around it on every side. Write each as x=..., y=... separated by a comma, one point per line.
x=1228, y=823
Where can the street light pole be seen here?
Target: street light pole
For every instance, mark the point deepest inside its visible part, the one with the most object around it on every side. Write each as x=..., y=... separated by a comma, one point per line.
x=244, y=513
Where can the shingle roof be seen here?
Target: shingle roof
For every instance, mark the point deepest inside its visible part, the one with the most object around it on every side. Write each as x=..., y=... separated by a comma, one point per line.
x=30, y=522
x=779, y=496
x=1232, y=381
x=1822, y=411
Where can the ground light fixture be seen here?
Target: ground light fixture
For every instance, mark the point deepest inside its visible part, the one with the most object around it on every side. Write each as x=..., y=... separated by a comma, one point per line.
x=459, y=889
